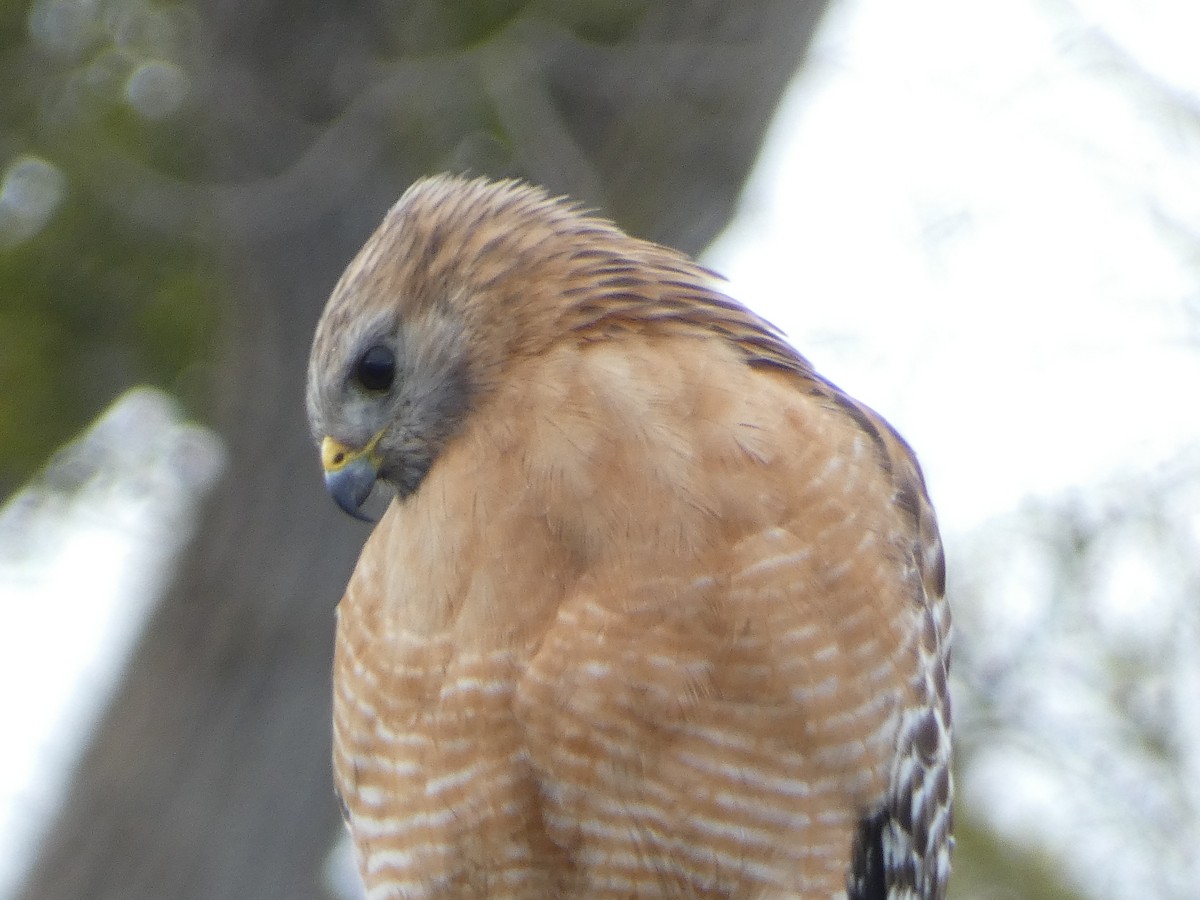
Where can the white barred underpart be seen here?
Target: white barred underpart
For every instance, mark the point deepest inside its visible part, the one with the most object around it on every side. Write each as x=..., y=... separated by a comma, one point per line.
x=450, y=778
x=406, y=789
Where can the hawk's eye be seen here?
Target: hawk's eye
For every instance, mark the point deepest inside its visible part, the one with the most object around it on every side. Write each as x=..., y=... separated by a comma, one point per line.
x=376, y=369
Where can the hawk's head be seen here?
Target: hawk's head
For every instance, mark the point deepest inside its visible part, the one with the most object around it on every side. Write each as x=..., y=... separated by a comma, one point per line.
x=459, y=279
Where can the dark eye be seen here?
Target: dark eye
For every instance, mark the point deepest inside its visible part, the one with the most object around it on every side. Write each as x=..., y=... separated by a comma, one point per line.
x=376, y=369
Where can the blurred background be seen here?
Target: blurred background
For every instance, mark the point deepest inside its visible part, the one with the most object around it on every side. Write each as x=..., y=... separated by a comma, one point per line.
x=981, y=219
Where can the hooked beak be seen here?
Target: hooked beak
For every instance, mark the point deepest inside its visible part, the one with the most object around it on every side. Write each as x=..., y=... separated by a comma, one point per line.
x=350, y=474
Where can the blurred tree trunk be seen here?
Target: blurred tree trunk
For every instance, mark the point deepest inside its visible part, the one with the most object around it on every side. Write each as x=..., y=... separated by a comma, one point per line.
x=209, y=775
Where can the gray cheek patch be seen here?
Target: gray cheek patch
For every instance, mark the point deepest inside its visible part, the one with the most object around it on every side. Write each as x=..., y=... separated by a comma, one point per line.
x=432, y=398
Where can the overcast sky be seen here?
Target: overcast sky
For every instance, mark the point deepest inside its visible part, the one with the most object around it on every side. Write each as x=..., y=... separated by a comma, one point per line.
x=955, y=218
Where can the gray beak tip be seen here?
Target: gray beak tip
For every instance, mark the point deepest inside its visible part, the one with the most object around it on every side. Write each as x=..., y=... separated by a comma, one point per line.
x=351, y=485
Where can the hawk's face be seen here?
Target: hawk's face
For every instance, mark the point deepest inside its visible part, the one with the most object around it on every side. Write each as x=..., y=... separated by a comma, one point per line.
x=423, y=320
x=385, y=390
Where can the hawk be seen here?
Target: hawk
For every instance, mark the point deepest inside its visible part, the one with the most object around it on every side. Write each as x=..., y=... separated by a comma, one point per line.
x=657, y=611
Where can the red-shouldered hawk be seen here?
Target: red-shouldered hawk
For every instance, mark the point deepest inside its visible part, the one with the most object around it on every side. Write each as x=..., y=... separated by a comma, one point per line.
x=657, y=610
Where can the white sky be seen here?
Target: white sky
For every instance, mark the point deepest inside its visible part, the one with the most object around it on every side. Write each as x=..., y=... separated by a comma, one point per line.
x=952, y=219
